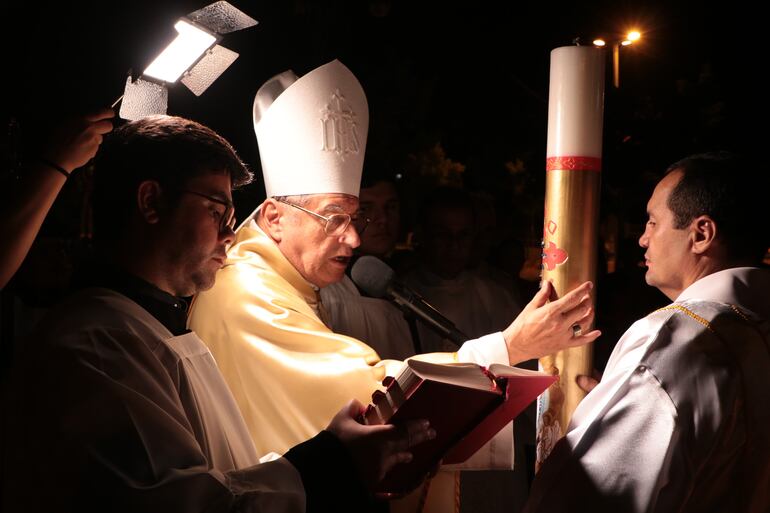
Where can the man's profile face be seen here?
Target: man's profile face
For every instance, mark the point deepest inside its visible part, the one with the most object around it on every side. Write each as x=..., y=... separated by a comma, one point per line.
x=379, y=203
x=320, y=258
x=197, y=246
x=667, y=256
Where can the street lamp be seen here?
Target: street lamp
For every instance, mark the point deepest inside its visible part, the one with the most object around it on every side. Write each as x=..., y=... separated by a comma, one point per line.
x=631, y=37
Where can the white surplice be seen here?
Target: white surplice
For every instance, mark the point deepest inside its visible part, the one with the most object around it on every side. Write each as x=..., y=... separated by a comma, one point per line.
x=474, y=302
x=679, y=421
x=110, y=411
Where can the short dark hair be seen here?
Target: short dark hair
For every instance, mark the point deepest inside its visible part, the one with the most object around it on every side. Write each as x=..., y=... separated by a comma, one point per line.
x=168, y=149
x=375, y=172
x=723, y=187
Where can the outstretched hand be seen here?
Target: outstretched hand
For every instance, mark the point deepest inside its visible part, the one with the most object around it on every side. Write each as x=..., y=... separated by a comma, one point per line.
x=544, y=327
x=376, y=449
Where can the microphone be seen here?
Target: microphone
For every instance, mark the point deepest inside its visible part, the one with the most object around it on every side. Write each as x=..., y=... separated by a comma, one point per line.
x=376, y=279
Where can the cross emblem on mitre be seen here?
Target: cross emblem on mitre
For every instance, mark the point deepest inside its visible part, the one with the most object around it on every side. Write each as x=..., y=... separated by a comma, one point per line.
x=339, y=129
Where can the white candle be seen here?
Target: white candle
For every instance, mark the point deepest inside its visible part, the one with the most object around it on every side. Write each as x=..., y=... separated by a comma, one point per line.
x=575, y=108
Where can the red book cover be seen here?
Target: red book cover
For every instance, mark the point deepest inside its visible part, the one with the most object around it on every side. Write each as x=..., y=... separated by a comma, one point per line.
x=465, y=403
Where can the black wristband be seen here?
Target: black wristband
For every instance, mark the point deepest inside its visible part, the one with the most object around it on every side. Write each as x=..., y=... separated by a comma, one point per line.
x=54, y=166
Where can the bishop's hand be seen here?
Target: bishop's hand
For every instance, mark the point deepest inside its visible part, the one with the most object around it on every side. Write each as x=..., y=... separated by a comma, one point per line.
x=549, y=324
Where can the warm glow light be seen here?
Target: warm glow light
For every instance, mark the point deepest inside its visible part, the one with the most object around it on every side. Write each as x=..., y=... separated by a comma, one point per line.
x=599, y=42
x=626, y=42
x=182, y=53
x=633, y=35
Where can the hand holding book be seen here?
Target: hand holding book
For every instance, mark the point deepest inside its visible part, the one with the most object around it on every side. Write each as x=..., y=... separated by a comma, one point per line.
x=465, y=403
x=375, y=449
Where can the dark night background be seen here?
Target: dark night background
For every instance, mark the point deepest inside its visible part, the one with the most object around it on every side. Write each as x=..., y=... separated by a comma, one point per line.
x=470, y=77
x=457, y=92
x=473, y=77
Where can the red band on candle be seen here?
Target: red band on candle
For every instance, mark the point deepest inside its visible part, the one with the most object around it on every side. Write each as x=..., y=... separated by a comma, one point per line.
x=573, y=164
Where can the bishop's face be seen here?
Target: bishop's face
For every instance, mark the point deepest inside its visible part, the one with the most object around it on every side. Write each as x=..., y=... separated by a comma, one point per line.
x=320, y=258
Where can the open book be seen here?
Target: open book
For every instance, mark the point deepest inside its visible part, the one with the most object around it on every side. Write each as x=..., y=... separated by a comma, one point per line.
x=465, y=403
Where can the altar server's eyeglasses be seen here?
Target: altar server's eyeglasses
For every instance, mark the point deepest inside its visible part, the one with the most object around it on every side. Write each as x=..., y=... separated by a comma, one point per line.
x=226, y=218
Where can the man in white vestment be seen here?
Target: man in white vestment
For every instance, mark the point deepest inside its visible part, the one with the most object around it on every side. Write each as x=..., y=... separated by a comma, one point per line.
x=263, y=320
x=476, y=304
x=679, y=420
x=472, y=300
x=377, y=322
x=116, y=406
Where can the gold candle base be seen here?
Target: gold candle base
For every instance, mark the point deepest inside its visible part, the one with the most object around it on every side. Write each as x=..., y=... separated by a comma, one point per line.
x=569, y=259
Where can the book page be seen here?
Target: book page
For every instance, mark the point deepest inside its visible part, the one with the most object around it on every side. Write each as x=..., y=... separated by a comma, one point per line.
x=500, y=370
x=468, y=375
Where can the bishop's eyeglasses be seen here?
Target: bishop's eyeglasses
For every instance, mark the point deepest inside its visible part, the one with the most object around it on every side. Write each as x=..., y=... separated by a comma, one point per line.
x=334, y=224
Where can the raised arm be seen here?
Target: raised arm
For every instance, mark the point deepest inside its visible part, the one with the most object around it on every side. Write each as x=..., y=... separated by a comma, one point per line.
x=70, y=145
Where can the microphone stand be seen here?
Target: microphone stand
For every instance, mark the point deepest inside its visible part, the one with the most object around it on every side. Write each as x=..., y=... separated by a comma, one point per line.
x=411, y=321
x=440, y=324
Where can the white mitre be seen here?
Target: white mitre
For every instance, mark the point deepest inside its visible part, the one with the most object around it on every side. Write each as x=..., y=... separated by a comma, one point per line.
x=312, y=131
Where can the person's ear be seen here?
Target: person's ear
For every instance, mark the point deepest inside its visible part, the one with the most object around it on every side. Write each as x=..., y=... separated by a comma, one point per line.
x=272, y=219
x=148, y=198
x=703, y=232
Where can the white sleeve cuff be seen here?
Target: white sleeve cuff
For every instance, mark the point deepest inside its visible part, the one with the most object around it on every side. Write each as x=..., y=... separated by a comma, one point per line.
x=485, y=350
